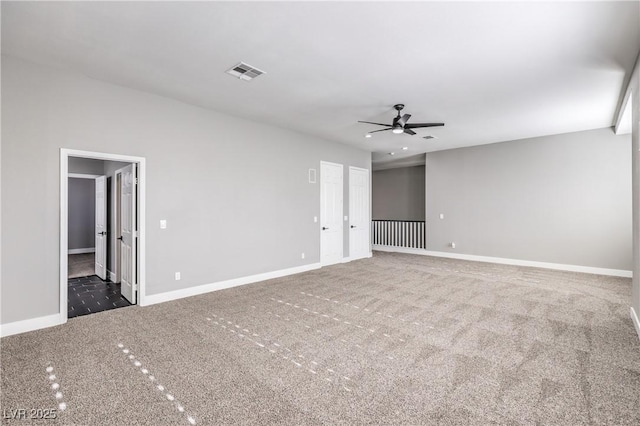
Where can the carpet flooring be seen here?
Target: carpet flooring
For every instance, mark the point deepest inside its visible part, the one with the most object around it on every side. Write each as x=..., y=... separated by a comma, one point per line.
x=395, y=339
x=81, y=265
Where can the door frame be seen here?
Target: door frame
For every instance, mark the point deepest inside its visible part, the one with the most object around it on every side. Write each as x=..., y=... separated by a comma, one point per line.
x=341, y=215
x=64, y=219
x=368, y=172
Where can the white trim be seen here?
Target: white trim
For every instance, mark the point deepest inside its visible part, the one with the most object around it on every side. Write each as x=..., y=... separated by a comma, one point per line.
x=64, y=218
x=82, y=250
x=64, y=231
x=24, y=326
x=221, y=285
x=636, y=321
x=505, y=261
x=82, y=176
x=112, y=276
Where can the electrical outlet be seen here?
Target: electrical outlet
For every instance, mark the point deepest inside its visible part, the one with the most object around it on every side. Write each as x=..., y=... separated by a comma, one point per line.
x=303, y=255
x=177, y=276
x=452, y=245
x=163, y=224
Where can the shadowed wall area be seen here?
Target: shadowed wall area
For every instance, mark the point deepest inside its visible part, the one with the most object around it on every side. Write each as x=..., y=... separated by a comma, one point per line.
x=395, y=339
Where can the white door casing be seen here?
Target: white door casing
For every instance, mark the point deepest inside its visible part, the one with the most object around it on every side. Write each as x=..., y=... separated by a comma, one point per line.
x=101, y=227
x=127, y=238
x=359, y=216
x=141, y=170
x=331, y=210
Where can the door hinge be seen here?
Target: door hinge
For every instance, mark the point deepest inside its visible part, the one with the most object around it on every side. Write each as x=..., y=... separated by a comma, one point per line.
x=136, y=181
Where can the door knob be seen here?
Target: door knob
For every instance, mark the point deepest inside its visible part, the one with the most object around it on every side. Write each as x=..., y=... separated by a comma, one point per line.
x=324, y=228
x=353, y=226
x=119, y=238
x=102, y=233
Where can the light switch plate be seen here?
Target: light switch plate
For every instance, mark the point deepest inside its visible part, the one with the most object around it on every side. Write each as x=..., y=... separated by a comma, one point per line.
x=163, y=224
x=315, y=219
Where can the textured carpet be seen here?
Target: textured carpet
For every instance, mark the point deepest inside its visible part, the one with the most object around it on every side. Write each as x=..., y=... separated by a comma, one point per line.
x=81, y=265
x=395, y=339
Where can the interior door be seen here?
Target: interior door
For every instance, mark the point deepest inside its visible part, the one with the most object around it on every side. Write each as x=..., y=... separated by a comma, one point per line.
x=331, y=233
x=101, y=228
x=128, y=237
x=359, y=217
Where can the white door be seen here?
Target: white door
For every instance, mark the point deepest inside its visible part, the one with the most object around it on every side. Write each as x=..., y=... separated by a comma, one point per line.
x=331, y=231
x=359, y=217
x=101, y=227
x=127, y=238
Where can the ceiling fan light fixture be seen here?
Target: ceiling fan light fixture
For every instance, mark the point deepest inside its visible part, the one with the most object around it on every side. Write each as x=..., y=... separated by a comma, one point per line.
x=397, y=130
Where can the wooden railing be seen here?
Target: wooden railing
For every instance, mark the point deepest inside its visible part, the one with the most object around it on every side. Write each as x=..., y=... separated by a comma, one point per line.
x=399, y=233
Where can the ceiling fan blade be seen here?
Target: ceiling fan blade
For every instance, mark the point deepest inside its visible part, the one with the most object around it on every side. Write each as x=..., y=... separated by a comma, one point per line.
x=383, y=130
x=377, y=124
x=403, y=120
x=418, y=125
x=409, y=131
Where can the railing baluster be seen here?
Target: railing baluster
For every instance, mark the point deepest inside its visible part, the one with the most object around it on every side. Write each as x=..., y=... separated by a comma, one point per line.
x=399, y=233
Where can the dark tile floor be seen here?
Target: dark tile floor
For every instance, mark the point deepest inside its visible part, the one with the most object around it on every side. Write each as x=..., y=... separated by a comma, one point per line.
x=88, y=295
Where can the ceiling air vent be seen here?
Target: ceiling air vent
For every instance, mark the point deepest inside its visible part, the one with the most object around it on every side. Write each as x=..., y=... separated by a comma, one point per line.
x=429, y=137
x=245, y=71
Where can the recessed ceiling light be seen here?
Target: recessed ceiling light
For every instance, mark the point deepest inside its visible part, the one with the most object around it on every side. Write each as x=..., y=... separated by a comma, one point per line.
x=368, y=135
x=392, y=153
x=404, y=148
x=429, y=137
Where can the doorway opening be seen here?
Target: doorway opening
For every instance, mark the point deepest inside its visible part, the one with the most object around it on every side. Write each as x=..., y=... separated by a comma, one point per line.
x=102, y=204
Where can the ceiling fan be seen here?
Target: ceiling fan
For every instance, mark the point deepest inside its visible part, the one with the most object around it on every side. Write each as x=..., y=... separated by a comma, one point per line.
x=400, y=124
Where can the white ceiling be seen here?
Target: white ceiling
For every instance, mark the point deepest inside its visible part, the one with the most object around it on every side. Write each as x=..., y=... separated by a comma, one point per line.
x=491, y=71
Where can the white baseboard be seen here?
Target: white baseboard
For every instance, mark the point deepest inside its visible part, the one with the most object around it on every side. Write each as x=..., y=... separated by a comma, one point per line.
x=82, y=250
x=351, y=259
x=636, y=321
x=18, y=327
x=221, y=285
x=505, y=261
x=112, y=276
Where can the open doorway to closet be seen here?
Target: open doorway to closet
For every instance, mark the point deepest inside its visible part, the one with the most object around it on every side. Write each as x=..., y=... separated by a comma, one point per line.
x=102, y=256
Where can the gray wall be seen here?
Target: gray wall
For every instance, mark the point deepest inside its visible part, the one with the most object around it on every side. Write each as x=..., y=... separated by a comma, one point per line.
x=86, y=166
x=398, y=194
x=235, y=193
x=561, y=199
x=82, y=213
